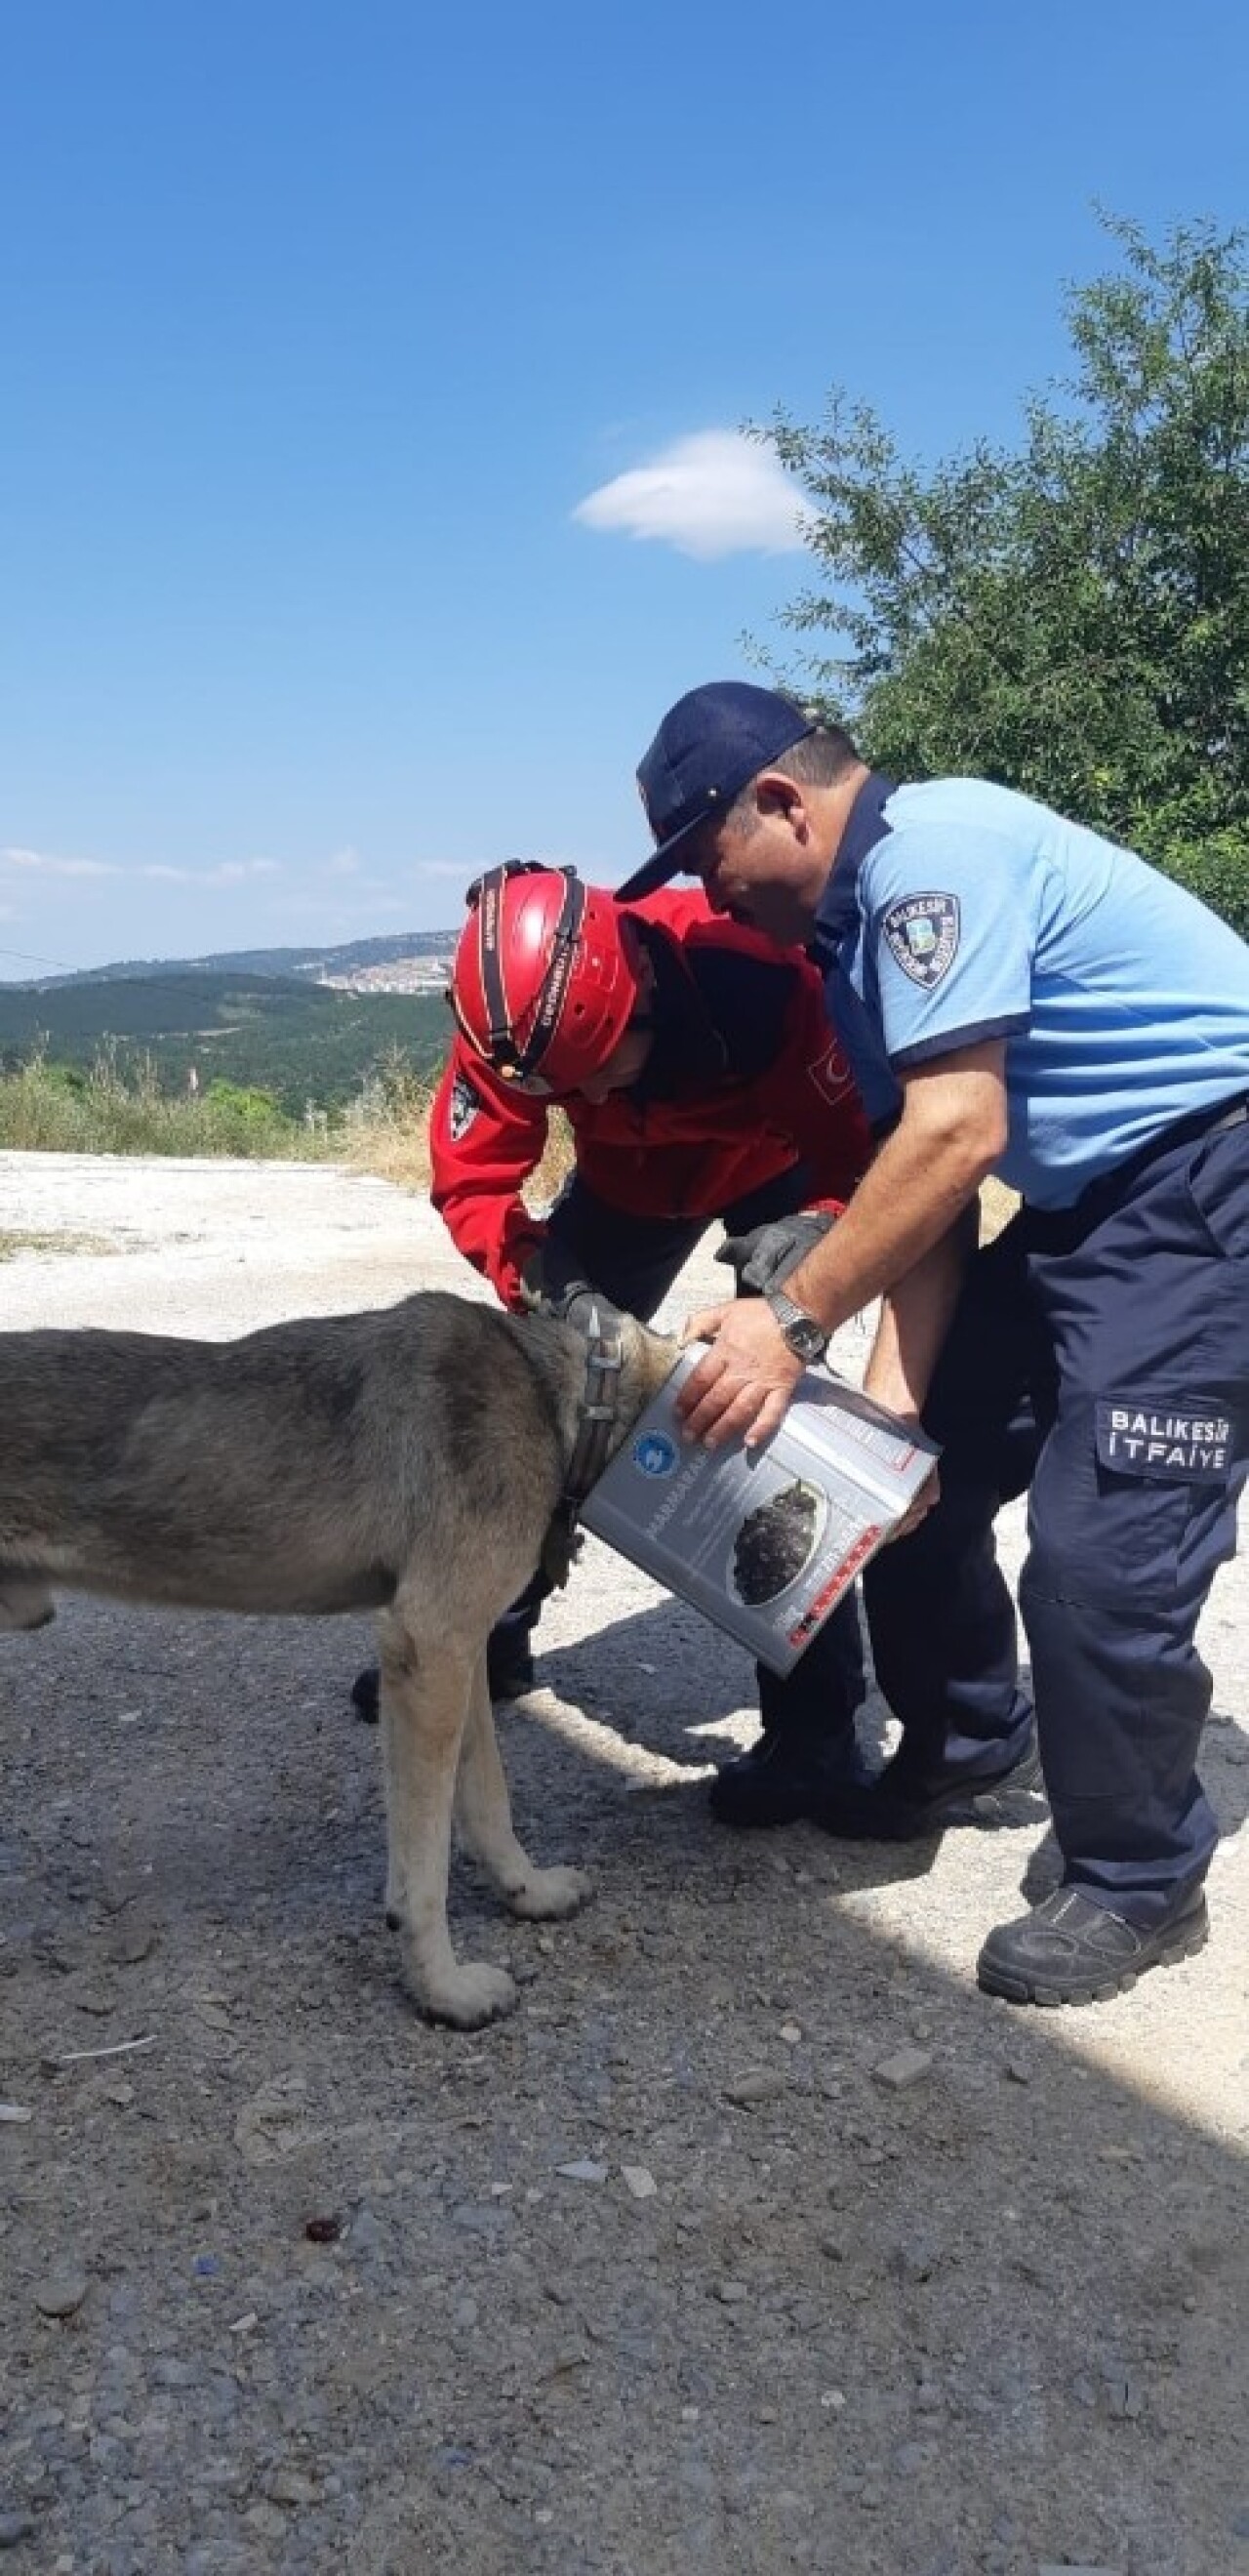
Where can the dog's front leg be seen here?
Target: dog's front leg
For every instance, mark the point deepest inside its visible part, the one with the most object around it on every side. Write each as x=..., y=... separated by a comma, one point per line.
x=424, y=1697
x=483, y=1815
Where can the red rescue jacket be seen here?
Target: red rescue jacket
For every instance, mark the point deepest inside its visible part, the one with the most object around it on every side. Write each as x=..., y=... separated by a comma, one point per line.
x=746, y=1079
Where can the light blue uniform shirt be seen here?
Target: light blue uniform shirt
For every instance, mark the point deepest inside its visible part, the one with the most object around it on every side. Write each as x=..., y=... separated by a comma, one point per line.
x=1124, y=1003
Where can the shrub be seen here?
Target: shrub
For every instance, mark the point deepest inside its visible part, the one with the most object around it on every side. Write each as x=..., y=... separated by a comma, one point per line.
x=1216, y=871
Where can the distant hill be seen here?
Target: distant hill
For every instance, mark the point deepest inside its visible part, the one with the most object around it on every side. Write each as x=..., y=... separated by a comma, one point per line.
x=306, y=962
x=281, y=1033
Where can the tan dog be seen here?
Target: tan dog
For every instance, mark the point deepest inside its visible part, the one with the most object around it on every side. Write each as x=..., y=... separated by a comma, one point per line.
x=408, y=1460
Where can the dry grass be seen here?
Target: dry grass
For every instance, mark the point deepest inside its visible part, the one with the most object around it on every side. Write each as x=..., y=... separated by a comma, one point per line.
x=393, y=1144
x=15, y=1241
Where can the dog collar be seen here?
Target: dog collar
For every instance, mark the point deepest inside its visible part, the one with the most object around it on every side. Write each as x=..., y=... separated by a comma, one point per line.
x=604, y=1360
x=596, y=1420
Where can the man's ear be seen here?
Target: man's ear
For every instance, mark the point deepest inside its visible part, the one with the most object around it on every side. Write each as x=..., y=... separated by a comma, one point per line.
x=778, y=797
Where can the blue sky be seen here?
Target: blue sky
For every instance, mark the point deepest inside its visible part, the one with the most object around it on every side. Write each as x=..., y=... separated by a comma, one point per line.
x=328, y=333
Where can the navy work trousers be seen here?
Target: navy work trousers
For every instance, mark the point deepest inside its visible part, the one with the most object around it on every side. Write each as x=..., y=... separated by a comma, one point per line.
x=634, y=1260
x=1100, y=1358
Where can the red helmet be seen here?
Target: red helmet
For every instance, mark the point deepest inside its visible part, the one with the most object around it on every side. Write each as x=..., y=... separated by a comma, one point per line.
x=545, y=978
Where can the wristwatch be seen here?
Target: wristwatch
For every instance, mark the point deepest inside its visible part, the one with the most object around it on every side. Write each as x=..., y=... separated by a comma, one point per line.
x=806, y=1339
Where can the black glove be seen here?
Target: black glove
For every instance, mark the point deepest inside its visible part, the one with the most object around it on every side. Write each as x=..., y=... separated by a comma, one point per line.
x=766, y=1256
x=554, y=1289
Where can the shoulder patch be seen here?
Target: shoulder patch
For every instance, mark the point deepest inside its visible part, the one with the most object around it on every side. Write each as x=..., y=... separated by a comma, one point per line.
x=922, y=934
x=464, y=1106
x=831, y=1075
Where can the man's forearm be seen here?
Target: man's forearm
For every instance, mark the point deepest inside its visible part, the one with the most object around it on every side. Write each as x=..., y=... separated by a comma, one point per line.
x=913, y=1195
x=915, y=1319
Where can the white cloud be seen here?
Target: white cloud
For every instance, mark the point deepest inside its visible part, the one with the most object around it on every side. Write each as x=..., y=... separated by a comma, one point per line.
x=714, y=493
x=229, y=872
x=343, y=863
x=41, y=863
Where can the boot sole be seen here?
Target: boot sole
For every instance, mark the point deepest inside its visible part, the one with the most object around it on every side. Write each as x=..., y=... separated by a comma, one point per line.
x=1183, y=1944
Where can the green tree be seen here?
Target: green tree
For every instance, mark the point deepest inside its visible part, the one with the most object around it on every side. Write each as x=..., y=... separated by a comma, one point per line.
x=1071, y=616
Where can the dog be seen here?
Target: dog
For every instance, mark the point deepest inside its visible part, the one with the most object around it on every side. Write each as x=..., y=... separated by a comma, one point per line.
x=411, y=1460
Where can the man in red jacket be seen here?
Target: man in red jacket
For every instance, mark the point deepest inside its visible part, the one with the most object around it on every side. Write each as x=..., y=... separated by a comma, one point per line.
x=699, y=1077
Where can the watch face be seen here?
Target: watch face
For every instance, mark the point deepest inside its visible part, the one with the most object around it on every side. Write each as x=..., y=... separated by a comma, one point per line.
x=806, y=1340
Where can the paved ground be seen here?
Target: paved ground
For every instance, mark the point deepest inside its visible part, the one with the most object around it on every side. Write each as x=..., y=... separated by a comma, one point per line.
x=324, y=2290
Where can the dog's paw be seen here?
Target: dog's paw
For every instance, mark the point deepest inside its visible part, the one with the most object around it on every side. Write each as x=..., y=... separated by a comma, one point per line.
x=467, y=1995
x=547, y=1893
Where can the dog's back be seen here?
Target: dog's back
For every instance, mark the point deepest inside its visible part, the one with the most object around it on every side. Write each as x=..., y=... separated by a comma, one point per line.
x=288, y=1471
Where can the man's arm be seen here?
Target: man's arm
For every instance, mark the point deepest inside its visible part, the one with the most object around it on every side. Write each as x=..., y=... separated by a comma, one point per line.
x=915, y=1318
x=951, y=1132
x=485, y=1138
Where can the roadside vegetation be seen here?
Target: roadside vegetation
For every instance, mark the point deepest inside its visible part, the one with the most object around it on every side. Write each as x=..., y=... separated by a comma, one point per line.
x=115, y=1108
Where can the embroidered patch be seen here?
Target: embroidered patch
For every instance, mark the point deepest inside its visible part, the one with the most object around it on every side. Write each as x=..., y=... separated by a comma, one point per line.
x=465, y=1103
x=922, y=932
x=1189, y=1445
x=832, y=1076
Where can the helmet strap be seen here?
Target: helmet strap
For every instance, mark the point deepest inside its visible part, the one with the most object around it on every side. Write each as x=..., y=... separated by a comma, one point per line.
x=510, y=1060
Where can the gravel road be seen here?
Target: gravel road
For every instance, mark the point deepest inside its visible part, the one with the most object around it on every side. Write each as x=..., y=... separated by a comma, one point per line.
x=756, y=2240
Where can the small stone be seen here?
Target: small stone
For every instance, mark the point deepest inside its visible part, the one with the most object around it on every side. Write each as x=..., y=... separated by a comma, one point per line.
x=731, y=2293
x=1017, y=2072
x=287, y=2486
x=120, y=2093
x=791, y=2033
x=244, y=2325
x=639, y=2180
x=757, y=2084
x=14, y=2115
x=905, y=2067
x=911, y=2457
x=62, y=2294
x=583, y=2169
x=265, y=2519
x=132, y=1941
x=833, y=2398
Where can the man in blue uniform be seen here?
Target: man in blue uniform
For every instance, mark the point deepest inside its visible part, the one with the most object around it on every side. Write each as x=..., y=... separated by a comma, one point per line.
x=1017, y=996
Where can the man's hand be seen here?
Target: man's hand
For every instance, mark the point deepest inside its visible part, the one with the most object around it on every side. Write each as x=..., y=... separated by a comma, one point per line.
x=743, y=1387
x=766, y=1256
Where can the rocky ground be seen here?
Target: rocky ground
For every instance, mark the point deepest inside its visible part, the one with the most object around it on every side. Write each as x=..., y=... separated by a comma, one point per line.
x=756, y=2240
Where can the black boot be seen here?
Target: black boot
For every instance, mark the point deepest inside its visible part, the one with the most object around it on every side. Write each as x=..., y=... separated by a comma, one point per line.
x=790, y=1773
x=509, y=1671
x=1071, y=1950
x=893, y=1808
x=365, y=1692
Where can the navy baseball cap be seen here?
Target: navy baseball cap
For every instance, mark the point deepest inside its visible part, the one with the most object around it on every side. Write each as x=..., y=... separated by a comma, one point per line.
x=709, y=744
